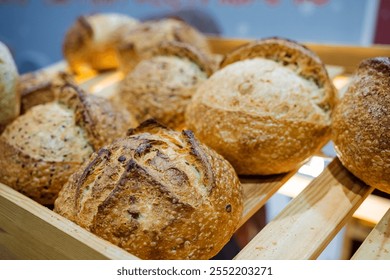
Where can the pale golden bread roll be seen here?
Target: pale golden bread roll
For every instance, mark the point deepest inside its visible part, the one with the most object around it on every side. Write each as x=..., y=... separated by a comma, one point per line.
x=267, y=109
x=9, y=95
x=361, y=124
x=91, y=42
x=158, y=193
x=42, y=148
x=162, y=86
x=140, y=42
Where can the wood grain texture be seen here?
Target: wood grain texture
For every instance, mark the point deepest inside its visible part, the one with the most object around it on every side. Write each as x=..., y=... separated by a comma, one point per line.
x=311, y=220
x=377, y=244
x=30, y=231
x=257, y=190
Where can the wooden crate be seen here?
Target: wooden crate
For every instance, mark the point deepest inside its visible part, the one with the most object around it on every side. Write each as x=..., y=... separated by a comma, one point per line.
x=301, y=231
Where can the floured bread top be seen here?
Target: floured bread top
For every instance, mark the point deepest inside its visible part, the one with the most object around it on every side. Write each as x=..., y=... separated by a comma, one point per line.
x=170, y=71
x=264, y=87
x=29, y=133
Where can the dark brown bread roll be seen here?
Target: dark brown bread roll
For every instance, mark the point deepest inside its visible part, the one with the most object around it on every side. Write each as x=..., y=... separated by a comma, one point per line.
x=267, y=109
x=42, y=148
x=157, y=193
x=361, y=124
x=162, y=86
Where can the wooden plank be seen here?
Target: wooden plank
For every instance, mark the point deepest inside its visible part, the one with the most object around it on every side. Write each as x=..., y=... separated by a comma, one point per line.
x=311, y=220
x=30, y=231
x=377, y=244
x=257, y=190
x=343, y=55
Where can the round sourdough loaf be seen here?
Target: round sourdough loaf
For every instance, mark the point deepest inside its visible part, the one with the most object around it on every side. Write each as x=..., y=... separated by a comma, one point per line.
x=40, y=149
x=162, y=86
x=9, y=95
x=361, y=124
x=139, y=43
x=158, y=193
x=267, y=109
x=91, y=42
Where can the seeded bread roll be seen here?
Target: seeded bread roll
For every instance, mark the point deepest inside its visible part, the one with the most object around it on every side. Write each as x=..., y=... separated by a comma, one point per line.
x=139, y=43
x=267, y=109
x=9, y=96
x=90, y=44
x=42, y=148
x=162, y=86
x=158, y=194
x=361, y=124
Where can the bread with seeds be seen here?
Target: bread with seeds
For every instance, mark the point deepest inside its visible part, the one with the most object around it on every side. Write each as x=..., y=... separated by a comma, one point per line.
x=267, y=109
x=41, y=148
x=162, y=86
x=361, y=124
x=157, y=193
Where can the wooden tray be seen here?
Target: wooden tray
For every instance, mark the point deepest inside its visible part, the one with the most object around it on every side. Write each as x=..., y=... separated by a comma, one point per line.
x=301, y=231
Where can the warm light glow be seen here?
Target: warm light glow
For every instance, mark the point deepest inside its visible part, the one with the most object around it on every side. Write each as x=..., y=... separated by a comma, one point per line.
x=106, y=82
x=341, y=81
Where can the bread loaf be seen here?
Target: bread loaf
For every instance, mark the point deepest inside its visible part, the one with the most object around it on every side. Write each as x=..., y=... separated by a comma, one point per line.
x=157, y=193
x=9, y=96
x=35, y=88
x=267, y=109
x=139, y=43
x=42, y=148
x=361, y=124
x=162, y=86
x=90, y=44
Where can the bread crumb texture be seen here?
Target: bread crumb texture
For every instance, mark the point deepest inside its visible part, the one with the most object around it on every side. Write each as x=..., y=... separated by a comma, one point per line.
x=158, y=194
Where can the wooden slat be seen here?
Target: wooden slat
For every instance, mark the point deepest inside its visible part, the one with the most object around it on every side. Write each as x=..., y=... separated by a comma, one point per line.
x=30, y=231
x=257, y=190
x=311, y=220
x=377, y=244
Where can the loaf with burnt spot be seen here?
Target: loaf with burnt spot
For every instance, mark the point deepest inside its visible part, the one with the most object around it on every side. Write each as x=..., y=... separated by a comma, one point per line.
x=40, y=149
x=158, y=193
x=361, y=124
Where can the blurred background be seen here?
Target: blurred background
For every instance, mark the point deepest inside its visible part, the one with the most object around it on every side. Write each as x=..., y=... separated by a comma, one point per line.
x=34, y=29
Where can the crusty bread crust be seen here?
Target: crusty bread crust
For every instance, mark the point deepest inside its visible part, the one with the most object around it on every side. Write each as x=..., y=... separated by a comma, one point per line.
x=361, y=124
x=91, y=42
x=139, y=43
x=35, y=88
x=162, y=86
x=264, y=111
x=9, y=96
x=157, y=193
x=40, y=149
